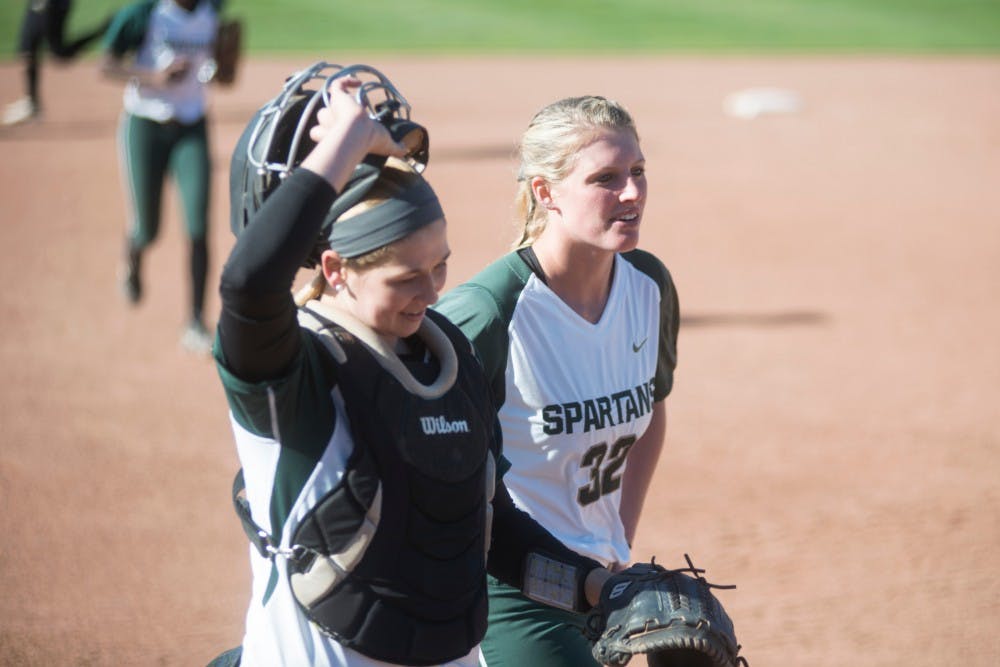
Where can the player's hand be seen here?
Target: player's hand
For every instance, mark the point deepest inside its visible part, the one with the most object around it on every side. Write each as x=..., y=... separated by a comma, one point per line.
x=344, y=135
x=345, y=115
x=174, y=72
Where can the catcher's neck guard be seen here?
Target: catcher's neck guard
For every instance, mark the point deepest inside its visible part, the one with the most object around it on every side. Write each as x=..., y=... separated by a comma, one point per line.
x=277, y=139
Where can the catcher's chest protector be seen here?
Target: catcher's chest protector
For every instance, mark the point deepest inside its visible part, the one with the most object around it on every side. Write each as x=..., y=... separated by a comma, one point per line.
x=419, y=482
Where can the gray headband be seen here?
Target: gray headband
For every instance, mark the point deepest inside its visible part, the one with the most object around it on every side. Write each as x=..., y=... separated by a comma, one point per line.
x=389, y=221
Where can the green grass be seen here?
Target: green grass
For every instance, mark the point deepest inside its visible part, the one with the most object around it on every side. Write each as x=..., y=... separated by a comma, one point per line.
x=595, y=26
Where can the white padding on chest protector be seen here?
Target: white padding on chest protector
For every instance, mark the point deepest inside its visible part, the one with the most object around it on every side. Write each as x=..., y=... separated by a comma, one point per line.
x=491, y=490
x=326, y=571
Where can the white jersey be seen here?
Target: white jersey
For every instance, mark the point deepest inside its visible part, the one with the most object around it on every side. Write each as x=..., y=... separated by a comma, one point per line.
x=158, y=32
x=573, y=395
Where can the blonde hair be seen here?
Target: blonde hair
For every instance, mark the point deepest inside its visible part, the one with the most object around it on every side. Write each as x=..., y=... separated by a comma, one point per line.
x=396, y=176
x=550, y=144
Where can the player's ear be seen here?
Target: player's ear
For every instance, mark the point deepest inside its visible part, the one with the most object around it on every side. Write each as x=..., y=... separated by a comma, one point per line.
x=542, y=192
x=333, y=269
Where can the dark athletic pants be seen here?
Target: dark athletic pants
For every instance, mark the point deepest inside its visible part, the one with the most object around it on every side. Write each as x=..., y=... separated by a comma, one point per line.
x=525, y=633
x=46, y=21
x=148, y=150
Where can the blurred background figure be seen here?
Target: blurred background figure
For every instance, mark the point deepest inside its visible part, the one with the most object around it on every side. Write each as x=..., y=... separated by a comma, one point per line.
x=44, y=23
x=160, y=50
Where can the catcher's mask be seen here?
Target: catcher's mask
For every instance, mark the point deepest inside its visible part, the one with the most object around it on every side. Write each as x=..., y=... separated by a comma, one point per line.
x=277, y=139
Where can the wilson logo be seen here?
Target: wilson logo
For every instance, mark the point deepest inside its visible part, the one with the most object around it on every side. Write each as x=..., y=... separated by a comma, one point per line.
x=440, y=425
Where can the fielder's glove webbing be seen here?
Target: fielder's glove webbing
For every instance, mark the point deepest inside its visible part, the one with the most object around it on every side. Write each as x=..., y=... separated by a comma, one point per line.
x=670, y=615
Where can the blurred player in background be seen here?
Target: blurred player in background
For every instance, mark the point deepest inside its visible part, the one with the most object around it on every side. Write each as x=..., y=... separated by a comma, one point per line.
x=44, y=23
x=163, y=50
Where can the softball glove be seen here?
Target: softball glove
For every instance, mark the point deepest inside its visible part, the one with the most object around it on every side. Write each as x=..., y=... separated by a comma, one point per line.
x=670, y=615
x=228, y=50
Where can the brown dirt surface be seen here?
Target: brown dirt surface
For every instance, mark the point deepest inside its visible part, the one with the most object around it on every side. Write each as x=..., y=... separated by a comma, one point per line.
x=834, y=440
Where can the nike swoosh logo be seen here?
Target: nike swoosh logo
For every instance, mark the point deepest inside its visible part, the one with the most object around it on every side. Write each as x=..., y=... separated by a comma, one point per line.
x=636, y=348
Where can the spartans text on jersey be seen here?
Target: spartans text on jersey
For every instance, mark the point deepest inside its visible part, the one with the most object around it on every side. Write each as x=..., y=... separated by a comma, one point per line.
x=601, y=412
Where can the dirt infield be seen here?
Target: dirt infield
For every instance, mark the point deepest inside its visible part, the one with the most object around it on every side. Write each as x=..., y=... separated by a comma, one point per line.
x=834, y=438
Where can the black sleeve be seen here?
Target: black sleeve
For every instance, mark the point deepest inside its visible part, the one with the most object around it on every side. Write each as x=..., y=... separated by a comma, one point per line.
x=258, y=329
x=515, y=535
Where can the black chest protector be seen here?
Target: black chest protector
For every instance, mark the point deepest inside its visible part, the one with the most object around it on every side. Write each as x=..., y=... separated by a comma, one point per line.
x=395, y=554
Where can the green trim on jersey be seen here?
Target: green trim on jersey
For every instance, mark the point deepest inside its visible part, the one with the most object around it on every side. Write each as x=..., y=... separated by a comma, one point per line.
x=482, y=308
x=300, y=421
x=128, y=27
x=669, y=314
